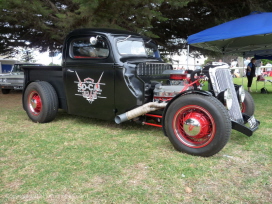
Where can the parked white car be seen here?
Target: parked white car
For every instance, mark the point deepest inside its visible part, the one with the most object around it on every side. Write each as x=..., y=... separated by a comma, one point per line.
x=14, y=80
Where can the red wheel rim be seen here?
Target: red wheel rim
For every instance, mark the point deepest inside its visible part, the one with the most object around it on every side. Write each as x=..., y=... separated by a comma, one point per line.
x=194, y=126
x=243, y=107
x=34, y=103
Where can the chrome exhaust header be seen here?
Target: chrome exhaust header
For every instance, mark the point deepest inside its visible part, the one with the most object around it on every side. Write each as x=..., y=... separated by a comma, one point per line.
x=146, y=108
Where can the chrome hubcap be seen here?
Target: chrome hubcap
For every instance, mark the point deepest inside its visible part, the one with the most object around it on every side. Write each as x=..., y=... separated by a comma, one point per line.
x=33, y=103
x=192, y=127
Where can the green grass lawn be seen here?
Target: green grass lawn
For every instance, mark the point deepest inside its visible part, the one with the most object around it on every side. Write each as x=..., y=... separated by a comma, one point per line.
x=80, y=160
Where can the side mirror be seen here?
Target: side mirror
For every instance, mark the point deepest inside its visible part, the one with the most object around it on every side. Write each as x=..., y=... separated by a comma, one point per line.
x=93, y=40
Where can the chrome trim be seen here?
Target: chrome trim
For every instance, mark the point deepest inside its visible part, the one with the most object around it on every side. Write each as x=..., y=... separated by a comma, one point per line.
x=221, y=80
x=147, y=69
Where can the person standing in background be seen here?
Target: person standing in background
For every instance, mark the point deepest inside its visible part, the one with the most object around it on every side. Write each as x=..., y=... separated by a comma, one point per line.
x=246, y=62
x=268, y=69
x=233, y=64
x=250, y=73
x=258, y=64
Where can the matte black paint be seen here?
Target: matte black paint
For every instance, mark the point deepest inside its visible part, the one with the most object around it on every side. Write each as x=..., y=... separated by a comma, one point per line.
x=51, y=74
x=123, y=89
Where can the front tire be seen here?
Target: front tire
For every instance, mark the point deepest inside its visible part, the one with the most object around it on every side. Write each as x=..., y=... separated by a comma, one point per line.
x=248, y=106
x=198, y=125
x=41, y=102
x=5, y=91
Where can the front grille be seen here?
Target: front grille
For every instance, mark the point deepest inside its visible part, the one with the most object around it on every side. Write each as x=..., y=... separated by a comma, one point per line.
x=223, y=80
x=147, y=69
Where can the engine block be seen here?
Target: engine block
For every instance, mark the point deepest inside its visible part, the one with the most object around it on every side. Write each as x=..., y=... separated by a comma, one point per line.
x=166, y=92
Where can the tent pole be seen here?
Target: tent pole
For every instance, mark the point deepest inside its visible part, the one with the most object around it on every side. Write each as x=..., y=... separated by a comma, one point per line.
x=223, y=54
x=188, y=50
x=243, y=69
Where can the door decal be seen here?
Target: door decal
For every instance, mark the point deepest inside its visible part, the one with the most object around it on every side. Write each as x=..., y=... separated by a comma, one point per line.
x=89, y=89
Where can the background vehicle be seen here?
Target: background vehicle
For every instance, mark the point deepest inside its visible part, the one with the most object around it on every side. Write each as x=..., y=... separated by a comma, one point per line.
x=119, y=75
x=15, y=79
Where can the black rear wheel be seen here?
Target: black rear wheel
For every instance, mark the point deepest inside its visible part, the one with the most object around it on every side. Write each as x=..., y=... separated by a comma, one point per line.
x=198, y=125
x=248, y=106
x=40, y=102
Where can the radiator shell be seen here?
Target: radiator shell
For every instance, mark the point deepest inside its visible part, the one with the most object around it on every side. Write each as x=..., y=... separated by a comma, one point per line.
x=221, y=79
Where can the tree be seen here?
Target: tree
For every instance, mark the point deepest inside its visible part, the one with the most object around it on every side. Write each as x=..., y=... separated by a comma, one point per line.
x=199, y=15
x=24, y=54
x=27, y=57
x=266, y=61
x=44, y=24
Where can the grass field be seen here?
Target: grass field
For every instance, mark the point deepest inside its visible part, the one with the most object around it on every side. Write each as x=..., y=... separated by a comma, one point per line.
x=81, y=160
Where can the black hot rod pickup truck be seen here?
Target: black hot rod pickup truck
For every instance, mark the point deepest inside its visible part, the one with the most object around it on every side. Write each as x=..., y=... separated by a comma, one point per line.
x=119, y=75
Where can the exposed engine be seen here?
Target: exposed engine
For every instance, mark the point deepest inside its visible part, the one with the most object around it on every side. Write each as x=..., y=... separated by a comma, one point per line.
x=162, y=83
x=177, y=82
x=167, y=92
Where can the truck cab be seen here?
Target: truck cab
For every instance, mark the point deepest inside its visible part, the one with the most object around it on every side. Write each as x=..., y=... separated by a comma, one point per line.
x=119, y=75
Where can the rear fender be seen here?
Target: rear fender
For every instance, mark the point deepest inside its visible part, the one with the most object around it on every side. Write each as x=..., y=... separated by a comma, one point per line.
x=200, y=92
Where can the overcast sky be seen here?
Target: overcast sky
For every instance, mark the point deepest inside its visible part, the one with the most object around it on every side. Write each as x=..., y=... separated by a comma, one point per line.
x=44, y=58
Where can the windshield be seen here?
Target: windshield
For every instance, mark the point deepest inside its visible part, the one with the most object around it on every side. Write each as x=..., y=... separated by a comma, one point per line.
x=138, y=47
x=152, y=49
x=131, y=47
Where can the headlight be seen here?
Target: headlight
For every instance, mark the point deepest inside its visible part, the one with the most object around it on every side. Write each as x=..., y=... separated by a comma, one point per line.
x=241, y=94
x=228, y=98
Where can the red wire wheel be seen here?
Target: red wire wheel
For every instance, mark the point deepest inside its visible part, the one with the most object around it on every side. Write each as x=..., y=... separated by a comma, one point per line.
x=34, y=103
x=194, y=126
x=197, y=124
x=243, y=107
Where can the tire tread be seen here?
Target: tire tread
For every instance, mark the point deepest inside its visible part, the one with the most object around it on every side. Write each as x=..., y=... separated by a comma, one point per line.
x=210, y=149
x=49, y=101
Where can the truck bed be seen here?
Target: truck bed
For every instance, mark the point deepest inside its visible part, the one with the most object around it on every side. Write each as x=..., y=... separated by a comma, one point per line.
x=50, y=74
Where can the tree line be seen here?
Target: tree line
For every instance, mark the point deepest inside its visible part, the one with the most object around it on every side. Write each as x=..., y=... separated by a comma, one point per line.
x=43, y=24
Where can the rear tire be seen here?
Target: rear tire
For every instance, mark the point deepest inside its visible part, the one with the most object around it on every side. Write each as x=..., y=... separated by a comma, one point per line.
x=5, y=91
x=248, y=106
x=41, y=102
x=198, y=125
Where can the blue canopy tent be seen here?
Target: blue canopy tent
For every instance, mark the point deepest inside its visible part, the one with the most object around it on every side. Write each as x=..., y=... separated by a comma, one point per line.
x=260, y=54
x=263, y=57
x=249, y=33
x=247, y=36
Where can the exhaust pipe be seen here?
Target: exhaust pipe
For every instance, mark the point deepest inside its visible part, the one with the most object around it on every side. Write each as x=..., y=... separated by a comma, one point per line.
x=146, y=108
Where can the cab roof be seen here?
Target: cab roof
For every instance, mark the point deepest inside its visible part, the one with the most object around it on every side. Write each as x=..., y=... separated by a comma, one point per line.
x=105, y=31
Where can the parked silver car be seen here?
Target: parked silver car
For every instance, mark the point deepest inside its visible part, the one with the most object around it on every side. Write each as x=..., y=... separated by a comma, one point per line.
x=15, y=78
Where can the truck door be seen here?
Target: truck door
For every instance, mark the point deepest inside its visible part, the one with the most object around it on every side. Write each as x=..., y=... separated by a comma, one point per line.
x=89, y=77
